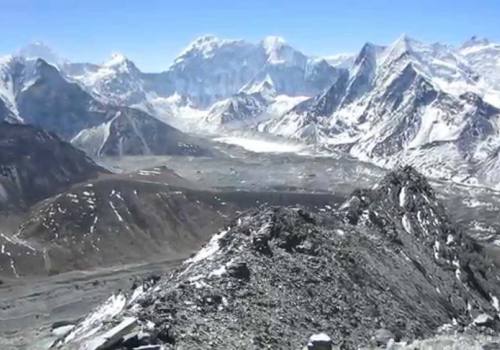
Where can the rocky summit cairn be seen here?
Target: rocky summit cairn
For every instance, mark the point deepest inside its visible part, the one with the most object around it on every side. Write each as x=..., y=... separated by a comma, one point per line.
x=389, y=258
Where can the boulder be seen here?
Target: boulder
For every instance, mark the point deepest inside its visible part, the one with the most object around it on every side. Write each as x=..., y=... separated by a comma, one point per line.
x=484, y=320
x=320, y=341
x=62, y=330
x=382, y=337
x=239, y=270
x=113, y=336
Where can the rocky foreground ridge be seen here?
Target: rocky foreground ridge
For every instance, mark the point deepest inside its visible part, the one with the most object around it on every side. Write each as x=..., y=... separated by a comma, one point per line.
x=388, y=266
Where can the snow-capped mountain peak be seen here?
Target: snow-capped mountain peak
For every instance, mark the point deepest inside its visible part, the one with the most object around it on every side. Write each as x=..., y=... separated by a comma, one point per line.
x=409, y=102
x=402, y=45
x=7, y=88
x=273, y=44
x=265, y=87
x=211, y=69
x=116, y=59
x=6, y=59
x=203, y=46
x=278, y=51
x=440, y=64
x=120, y=64
x=17, y=74
x=369, y=51
x=117, y=81
x=41, y=50
x=340, y=60
x=414, y=50
x=483, y=56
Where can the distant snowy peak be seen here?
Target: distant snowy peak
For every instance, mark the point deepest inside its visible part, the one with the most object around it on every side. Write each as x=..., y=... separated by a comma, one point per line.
x=264, y=87
x=119, y=64
x=273, y=43
x=115, y=65
x=118, y=60
x=274, y=47
x=237, y=111
x=116, y=81
x=39, y=49
x=370, y=51
x=341, y=60
x=208, y=70
x=211, y=69
x=279, y=52
x=204, y=47
x=7, y=86
x=438, y=63
x=484, y=57
x=39, y=94
x=403, y=44
x=275, y=50
x=17, y=74
x=408, y=103
x=249, y=110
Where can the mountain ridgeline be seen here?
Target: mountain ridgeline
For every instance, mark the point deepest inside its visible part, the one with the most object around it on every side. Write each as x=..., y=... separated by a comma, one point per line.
x=43, y=97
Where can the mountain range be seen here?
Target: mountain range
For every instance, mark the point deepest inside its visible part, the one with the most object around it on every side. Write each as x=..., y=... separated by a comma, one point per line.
x=433, y=106
x=294, y=250
x=410, y=103
x=35, y=92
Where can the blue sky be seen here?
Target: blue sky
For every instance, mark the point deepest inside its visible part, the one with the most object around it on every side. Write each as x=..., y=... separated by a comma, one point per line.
x=152, y=32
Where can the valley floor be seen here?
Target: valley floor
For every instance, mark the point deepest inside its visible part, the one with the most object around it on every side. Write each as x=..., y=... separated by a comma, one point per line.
x=29, y=307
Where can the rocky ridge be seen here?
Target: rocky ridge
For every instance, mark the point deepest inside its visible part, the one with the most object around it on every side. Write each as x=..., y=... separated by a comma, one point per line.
x=389, y=258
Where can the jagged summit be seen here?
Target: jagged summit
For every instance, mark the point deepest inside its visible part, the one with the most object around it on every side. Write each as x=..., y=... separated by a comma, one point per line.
x=265, y=87
x=115, y=59
x=279, y=52
x=207, y=39
x=407, y=176
x=273, y=43
x=121, y=69
x=277, y=275
x=402, y=45
x=396, y=100
x=368, y=49
x=402, y=189
x=203, y=46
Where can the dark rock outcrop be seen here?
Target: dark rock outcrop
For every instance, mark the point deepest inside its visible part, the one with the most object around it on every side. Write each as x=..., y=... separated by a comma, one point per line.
x=35, y=164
